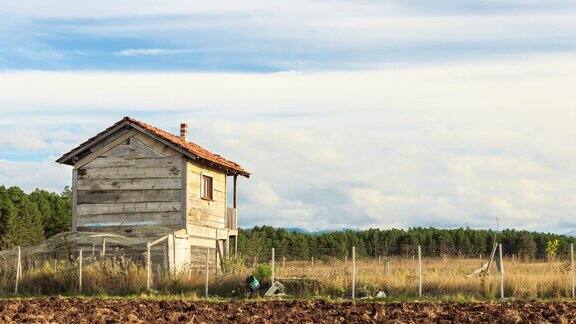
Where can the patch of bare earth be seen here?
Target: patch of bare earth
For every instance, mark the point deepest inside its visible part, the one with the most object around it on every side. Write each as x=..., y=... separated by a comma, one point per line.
x=74, y=310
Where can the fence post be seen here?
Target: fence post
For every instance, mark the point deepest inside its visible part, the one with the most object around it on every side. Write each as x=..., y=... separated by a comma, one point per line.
x=353, y=272
x=18, y=268
x=419, y=270
x=148, y=267
x=572, y=268
x=207, y=272
x=501, y=271
x=273, y=265
x=80, y=272
x=283, y=261
x=103, y=246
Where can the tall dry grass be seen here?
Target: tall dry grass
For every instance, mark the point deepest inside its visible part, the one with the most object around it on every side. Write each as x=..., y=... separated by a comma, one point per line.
x=442, y=278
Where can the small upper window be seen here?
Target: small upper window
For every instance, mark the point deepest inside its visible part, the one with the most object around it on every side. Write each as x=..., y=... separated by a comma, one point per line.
x=207, y=188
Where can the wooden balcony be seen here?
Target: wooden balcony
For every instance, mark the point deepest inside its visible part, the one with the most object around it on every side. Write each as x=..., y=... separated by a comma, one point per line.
x=231, y=220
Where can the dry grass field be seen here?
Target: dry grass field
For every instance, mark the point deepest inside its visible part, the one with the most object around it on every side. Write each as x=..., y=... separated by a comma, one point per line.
x=442, y=278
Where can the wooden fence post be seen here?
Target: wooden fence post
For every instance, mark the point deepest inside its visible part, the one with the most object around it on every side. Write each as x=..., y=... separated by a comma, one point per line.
x=273, y=264
x=572, y=269
x=80, y=272
x=501, y=271
x=353, y=272
x=148, y=267
x=207, y=272
x=18, y=268
x=419, y=270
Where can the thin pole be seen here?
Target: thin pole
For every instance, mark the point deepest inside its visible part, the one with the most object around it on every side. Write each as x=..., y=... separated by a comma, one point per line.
x=207, y=272
x=353, y=272
x=18, y=269
x=148, y=267
x=312, y=265
x=236, y=246
x=104, y=246
x=572, y=268
x=80, y=272
x=501, y=271
x=419, y=271
x=273, y=264
x=283, y=261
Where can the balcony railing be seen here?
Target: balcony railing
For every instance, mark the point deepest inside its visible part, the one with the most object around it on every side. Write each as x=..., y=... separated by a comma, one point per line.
x=231, y=220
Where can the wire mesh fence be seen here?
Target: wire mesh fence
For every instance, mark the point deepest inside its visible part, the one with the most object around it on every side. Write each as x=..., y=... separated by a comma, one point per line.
x=100, y=264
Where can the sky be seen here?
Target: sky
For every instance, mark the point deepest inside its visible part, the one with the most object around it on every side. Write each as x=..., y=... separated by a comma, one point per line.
x=349, y=114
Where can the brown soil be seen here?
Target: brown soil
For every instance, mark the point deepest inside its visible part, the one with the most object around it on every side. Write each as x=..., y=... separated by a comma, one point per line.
x=74, y=310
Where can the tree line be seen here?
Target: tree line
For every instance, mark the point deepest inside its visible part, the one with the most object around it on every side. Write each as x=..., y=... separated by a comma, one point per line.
x=28, y=219
x=256, y=243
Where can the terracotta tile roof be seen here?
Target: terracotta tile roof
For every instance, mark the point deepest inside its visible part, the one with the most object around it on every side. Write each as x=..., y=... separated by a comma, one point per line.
x=190, y=147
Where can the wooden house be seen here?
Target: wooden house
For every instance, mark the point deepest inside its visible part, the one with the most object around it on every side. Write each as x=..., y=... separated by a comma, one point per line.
x=135, y=179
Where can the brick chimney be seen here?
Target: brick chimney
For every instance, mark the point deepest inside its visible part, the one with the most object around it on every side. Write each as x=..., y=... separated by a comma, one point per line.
x=184, y=131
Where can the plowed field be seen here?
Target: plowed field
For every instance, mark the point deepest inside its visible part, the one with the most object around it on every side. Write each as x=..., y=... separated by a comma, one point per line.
x=87, y=310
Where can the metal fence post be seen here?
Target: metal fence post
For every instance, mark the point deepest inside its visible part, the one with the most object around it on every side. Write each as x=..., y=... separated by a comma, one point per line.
x=80, y=271
x=273, y=265
x=207, y=272
x=353, y=272
x=419, y=271
x=18, y=268
x=148, y=267
x=501, y=271
x=572, y=268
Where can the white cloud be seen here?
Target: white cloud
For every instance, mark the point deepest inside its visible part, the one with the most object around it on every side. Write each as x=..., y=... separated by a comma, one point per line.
x=30, y=175
x=451, y=145
x=148, y=52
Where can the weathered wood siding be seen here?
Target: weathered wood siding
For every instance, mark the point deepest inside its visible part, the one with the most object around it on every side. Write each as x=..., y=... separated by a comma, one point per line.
x=201, y=212
x=130, y=181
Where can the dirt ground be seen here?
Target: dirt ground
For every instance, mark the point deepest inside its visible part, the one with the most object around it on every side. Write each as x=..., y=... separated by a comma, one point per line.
x=87, y=310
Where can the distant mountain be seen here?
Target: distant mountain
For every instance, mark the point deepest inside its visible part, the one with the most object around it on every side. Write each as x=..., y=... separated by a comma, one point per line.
x=572, y=233
x=318, y=231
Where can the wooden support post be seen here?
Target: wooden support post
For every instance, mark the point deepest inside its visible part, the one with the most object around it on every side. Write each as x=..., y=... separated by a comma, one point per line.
x=18, y=268
x=80, y=271
x=103, y=246
x=419, y=271
x=272, y=261
x=207, y=272
x=573, y=274
x=353, y=272
x=501, y=271
x=234, y=200
x=148, y=267
x=236, y=246
x=227, y=248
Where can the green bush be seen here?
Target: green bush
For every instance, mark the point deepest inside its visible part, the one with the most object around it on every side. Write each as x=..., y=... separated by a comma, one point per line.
x=263, y=271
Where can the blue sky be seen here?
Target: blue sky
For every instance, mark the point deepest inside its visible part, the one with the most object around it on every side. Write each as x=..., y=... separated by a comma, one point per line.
x=349, y=113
